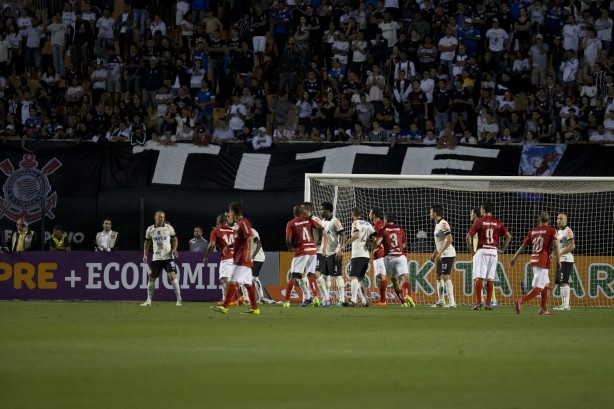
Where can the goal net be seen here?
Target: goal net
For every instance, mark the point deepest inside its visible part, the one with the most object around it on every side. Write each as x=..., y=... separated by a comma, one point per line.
x=517, y=201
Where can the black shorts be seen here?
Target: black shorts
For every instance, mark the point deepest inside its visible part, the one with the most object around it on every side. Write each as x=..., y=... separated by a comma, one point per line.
x=157, y=265
x=320, y=261
x=359, y=266
x=256, y=268
x=562, y=275
x=444, y=267
x=332, y=266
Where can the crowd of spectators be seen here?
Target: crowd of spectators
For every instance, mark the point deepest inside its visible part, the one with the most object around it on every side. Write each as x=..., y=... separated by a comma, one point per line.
x=395, y=71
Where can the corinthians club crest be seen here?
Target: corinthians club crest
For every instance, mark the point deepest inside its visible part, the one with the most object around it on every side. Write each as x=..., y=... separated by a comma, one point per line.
x=27, y=192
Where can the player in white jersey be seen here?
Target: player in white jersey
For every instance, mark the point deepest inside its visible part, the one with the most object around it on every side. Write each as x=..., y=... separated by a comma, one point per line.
x=330, y=265
x=567, y=244
x=259, y=258
x=360, y=240
x=443, y=257
x=165, y=242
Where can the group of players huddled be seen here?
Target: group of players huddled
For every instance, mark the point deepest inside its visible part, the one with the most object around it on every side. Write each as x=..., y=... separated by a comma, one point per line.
x=318, y=244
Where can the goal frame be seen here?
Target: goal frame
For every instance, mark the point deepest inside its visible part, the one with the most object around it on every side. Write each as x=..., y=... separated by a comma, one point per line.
x=532, y=185
x=450, y=178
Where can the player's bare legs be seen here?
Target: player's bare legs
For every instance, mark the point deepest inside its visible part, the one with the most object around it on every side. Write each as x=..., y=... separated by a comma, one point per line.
x=224, y=284
x=532, y=294
x=440, y=291
x=565, y=295
x=478, y=287
x=172, y=277
x=323, y=288
x=313, y=287
x=383, y=286
x=304, y=284
x=398, y=290
x=408, y=294
x=490, y=286
x=151, y=287
x=292, y=279
x=448, y=288
x=355, y=288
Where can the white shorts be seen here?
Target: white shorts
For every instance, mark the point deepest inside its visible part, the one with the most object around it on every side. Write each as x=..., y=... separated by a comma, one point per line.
x=226, y=268
x=259, y=43
x=242, y=275
x=396, y=266
x=540, y=277
x=485, y=264
x=379, y=266
x=305, y=264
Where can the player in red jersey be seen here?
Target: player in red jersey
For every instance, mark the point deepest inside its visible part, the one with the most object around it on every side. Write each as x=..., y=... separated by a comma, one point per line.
x=392, y=238
x=485, y=259
x=243, y=249
x=540, y=238
x=299, y=238
x=222, y=237
x=375, y=215
x=317, y=238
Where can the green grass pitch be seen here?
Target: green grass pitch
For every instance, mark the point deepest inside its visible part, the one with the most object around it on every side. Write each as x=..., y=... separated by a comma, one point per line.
x=119, y=355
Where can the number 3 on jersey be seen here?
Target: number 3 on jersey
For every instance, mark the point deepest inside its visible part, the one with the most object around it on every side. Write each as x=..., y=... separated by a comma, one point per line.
x=394, y=240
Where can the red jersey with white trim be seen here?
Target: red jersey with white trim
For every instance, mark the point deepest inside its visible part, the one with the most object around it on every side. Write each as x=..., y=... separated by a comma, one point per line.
x=393, y=240
x=223, y=236
x=540, y=239
x=488, y=229
x=300, y=231
x=242, y=233
x=379, y=253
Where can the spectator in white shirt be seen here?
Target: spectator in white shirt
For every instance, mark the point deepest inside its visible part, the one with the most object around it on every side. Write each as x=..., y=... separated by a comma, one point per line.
x=601, y=135
x=57, y=29
x=603, y=25
x=262, y=140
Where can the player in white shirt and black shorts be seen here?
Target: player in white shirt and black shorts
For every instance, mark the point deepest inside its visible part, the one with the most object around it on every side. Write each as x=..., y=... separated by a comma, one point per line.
x=259, y=259
x=165, y=242
x=362, y=231
x=567, y=244
x=334, y=235
x=443, y=257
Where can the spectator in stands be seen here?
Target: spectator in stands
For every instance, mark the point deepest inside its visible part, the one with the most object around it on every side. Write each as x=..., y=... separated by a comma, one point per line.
x=152, y=81
x=23, y=239
x=106, y=34
x=106, y=240
x=198, y=244
x=222, y=132
x=289, y=66
x=262, y=139
x=59, y=240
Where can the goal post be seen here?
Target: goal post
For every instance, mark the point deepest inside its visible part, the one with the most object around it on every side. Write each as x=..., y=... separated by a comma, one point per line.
x=517, y=201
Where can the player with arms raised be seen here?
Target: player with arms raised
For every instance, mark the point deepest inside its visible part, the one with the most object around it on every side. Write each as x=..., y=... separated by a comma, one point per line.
x=330, y=265
x=540, y=239
x=392, y=237
x=375, y=215
x=488, y=229
x=222, y=237
x=299, y=238
x=361, y=234
x=567, y=244
x=165, y=242
x=443, y=257
x=243, y=250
